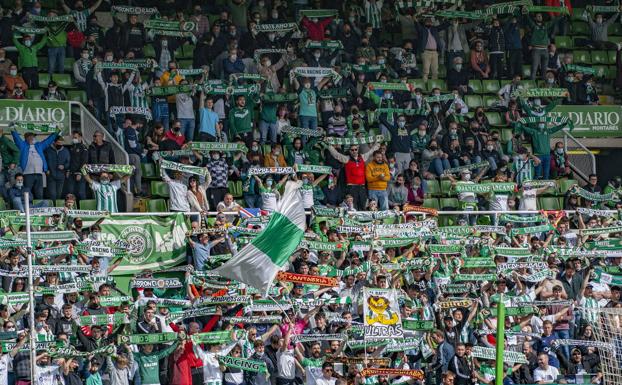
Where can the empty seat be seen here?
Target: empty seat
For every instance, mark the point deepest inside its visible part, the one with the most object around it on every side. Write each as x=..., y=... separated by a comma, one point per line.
x=563, y=42
x=88, y=204
x=473, y=101
x=63, y=80
x=476, y=85
x=157, y=206
x=491, y=86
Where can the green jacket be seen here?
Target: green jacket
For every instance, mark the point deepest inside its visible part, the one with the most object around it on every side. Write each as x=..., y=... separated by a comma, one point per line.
x=540, y=34
x=148, y=365
x=28, y=55
x=541, y=138
x=8, y=151
x=57, y=35
x=240, y=121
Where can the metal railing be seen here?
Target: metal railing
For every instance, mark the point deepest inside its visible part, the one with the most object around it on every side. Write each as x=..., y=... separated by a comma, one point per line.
x=581, y=164
x=89, y=124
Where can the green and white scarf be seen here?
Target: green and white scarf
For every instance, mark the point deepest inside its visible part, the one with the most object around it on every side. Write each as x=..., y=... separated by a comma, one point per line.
x=171, y=154
x=520, y=219
x=190, y=71
x=123, y=169
x=582, y=69
x=317, y=72
x=484, y=187
x=601, y=230
x=216, y=338
x=185, y=168
x=440, y=98
x=49, y=236
x=592, y=212
x=354, y=141
x=594, y=197
x=71, y=352
x=270, y=170
x=418, y=325
x=43, y=269
x=142, y=63
x=557, y=120
x=184, y=34
x=542, y=8
x=313, y=168
x=14, y=298
x=603, y=8
x=323, y=246
x=473, y=15
x=335, y=93
x=134, y=10
x=275, y=27
x=243, y=364
x=271, y=97
x=318, y=13
x=35, y=127
x=116, y=300
x=472, y=166
x=122, y=110
x=539, y=92
x=324, y=44
x=170, y=25
x=217, y=146
x=148, y=339
x=267, y=51
x=254, y=77
x=30, y=31
x=156, y=283
x=270, y=319
x=170, y=90
x=103, y=319
x=389, y=86
x=51, y=19
x=291, y=130
x=227, y=299
x=532, y=229
x=115, y=66
x=302, y=338
x=475, y=277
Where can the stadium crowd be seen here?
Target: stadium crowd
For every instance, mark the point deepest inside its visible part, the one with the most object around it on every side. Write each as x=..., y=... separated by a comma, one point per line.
x=367, y=108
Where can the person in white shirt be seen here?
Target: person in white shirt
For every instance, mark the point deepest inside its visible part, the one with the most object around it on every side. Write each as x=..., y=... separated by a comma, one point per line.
x=45, y=372
x=286, y=361
x=211, y=367
x=529, y=197
x=327, y=375
x=544, y=373
x=178, y=191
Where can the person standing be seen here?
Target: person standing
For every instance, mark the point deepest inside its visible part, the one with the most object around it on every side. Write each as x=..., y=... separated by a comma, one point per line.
x=27, y=60
x=32, y=160
x=428, y=46
x=378, y=176
x=105, y=190
x=58, y=159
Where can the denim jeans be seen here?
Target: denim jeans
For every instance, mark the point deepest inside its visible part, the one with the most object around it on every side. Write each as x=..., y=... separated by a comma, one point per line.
x=187, y=128
x=438, y=166
x=543, y=170
x=564, y=334
x=252, y=201
x=308, y=122
x=18, y=204
x=55, y=188
x=267, y=131
x=380, y=196
x=539, y=59
x=56, y=60
x=76, y=187
x=34, y=183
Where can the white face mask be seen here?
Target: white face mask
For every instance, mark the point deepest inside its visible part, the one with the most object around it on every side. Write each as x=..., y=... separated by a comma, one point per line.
x=13, y=72
x=216, y=156
x=164, y=43
x=108, y=58
x=75, y=141
x=466, y=177
x=489, y=148
x=268, y=63
x=307, y=85
x=85, y=56
x=234, y=57
x=458, y=67
x=401, y=123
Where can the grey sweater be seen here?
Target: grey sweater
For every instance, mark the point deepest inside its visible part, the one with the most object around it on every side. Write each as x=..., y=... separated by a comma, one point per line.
x=599, y=31
x=120, y=376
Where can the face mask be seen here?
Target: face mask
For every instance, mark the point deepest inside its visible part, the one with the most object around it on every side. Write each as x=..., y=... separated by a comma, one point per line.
x=271, y=36
x=75, y=141
x=216, y=156
x=489, y=148
x=560, y=151
x=268, y=63
x=28, y=43
x=164, y=43
x=277, y=152
x=234, y=57
x=453, y=131
x=421, y=133
x=435, y=109
x=305, y=180
x=503, y=169
x=381, y=61
x=255, y=148
x=307, y=85
x=275, y=15
x=13, y=72
x=85, y=56
x=550, y=80
x=401, y=124
x=269, y=183
x=19, y=184
x=570, y=79
x=261, y=3
x=108, y=58
x=418, y=97
x=388, y=96
x=317, y=55
x=104, y=181
x=458, y=67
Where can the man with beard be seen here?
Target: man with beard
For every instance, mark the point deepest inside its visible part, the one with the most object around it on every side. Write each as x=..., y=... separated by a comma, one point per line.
x=314, y=365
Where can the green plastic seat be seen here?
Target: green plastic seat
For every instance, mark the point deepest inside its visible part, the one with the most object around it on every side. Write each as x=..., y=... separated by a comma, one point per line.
x=549, y=203
x=529, y=84
x=184, y=63
x=436, y=83
x=449, y=203
x=604, y=70
x=615, y=29
x=577, y=14
x=446, y=187
x=157, y=206
x=565, y=184
x=563, y=42
x=611, y=57
x=615, y=39
x=149, y=51
x=491, y=86
x=148, y=170
x=476, y=85
x=431, y=203
x=582, y=57
x=490, y=100
x=494, y=118
x=506, y=135
x=611, y=73
x=418, y=83
x=526, y=71
x=63, y=80
x=433, y=188
x=473, y=101
x=77, y=96
x=159, y=189
x=44, y=79
x=234, y=189
x=68, y=65
x=580, y=28
x=59, y=203
x=88, y=204
x=34, y=94
x=600, y=57
x=2, y=204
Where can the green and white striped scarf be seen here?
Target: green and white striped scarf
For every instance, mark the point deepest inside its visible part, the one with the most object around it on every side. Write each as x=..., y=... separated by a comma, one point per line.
x=124, y=169
x=35, y=127
x=354, y=141
x=291, y=130
x=217, y=146
x=185, y=168
x=313, y=168
x=275, y=27
x=583, y=69
x=51, y=19
x=30, y=30
x=455, y=170
x=324, y=44
x=539, y=92
x=134, y=10
x=594, y=197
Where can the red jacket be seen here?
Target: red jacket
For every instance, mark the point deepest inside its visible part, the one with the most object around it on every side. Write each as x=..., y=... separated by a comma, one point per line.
x=179, y=139
x=355, y=171
x=556, y=3
x=316, y=30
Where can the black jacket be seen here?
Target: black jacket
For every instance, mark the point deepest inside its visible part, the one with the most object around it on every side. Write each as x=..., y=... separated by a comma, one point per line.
x=79, y=156
x=103, y=154
x=456, y=79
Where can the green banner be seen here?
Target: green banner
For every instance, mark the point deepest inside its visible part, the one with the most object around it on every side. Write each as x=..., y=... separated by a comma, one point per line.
x=35, y=112
x=410, y=324
x=144, y=339
x=244, y=364
x=592, y=121
x=156, y=242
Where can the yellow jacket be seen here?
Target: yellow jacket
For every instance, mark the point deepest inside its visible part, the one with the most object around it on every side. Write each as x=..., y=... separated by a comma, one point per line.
x=373, y=174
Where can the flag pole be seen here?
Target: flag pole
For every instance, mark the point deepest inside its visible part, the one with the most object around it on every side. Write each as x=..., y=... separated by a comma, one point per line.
x=500, y=341
x=31, y=292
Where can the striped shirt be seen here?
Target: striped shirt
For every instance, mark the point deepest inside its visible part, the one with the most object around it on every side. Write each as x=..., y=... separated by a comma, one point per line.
x=106, y=195
x=590, y=304
x=137, y=95
x=524, y=170
x=80, y=17
x=373, y=12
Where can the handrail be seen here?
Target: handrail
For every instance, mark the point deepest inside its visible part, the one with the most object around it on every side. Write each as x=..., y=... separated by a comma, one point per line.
x=574, y=168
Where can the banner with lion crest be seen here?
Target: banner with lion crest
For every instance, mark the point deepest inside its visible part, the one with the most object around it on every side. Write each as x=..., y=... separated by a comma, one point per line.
x=155, y=242
x=382, y=314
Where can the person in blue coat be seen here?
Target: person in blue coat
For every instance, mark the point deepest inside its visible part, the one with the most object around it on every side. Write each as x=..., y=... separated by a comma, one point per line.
x=58, y=158
x=32, y=160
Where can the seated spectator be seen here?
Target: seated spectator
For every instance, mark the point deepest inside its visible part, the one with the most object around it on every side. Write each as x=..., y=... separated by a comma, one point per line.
x=480, y=67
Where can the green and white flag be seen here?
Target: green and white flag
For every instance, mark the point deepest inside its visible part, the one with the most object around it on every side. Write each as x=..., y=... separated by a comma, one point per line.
x=155, y=242
x=324, y=44
x=313, y=168
x=244, y=364
x=355, y=141
x=217, y=146
x=124, y=169
x=290, y=130
x=258, y=262
x=508, y=356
